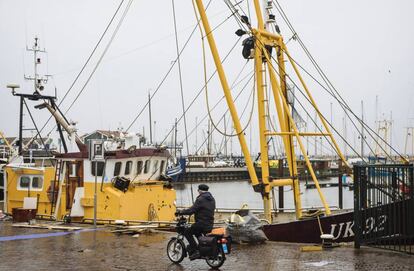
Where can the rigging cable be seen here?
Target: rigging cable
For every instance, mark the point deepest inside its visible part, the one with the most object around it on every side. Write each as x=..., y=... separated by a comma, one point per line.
x=222, y=98
x=347, y=110
x=37, y=135
x=99, y=60
x=194, y=99
x=103, y=53
x=305, y=96
x=331, y=87
x=87, y=61
x=251, y=96
x=287, y=75
x=248, y=121
x=205, y=78
x=321, y=114
x=180, y=75
x=225, y=139
x=166, y=75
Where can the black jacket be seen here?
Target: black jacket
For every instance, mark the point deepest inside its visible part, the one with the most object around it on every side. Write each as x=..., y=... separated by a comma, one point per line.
x=203, y=209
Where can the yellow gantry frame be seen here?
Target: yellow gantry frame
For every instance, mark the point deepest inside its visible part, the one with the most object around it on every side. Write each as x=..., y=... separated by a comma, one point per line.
x=289, y=131
x=6, y=141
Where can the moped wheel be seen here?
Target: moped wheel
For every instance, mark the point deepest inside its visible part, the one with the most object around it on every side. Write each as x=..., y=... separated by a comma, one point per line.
x=217, y=261
x=176, y=250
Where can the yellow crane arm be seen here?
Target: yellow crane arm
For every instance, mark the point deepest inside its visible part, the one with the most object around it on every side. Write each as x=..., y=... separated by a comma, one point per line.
x=5, y=140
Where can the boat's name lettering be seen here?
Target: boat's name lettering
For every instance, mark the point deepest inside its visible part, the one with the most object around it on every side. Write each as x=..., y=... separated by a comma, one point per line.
x=345, y=229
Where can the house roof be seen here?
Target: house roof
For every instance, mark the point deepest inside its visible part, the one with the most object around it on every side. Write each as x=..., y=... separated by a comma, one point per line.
x=106, y=133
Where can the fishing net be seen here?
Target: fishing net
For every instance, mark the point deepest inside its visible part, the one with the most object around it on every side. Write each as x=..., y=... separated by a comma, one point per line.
x=244, y=227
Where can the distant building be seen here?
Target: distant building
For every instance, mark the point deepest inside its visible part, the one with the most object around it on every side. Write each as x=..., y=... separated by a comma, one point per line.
x=119, y=138
x=102, y=134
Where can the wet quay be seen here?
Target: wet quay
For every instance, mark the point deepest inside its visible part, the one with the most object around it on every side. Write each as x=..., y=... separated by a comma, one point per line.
x=103, y=250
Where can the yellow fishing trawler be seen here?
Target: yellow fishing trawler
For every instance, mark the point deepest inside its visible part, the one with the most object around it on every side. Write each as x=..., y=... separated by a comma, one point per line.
x=97, y=181
x=129, y=186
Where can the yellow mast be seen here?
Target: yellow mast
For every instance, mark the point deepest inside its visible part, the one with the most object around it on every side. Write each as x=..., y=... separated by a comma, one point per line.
x=227, y=93
x=289, y=131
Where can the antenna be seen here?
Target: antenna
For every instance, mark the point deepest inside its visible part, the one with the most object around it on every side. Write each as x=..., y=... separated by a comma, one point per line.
x=38, y=81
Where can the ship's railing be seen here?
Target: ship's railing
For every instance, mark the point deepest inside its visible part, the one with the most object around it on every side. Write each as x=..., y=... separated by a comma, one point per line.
x=5, y=152
x=384, y=207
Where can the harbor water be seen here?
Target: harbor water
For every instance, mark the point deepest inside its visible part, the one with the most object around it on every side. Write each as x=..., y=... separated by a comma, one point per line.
x=234, y=194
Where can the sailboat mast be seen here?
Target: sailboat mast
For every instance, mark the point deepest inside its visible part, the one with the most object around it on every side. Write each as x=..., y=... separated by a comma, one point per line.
x=362, y=129
x=225, y=139
x=175, y=138
x=149, y=115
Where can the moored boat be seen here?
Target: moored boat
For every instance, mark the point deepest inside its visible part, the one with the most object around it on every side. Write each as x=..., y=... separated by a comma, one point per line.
x=126, y=183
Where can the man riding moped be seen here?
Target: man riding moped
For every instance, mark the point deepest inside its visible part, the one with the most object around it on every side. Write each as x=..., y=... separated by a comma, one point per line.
x=203, y=210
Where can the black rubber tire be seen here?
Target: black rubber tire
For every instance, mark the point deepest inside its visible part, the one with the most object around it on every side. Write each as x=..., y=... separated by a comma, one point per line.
x=179, y=250
x=219, y=261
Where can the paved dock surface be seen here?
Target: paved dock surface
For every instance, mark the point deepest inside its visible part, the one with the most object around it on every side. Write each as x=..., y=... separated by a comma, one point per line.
x=102, y=250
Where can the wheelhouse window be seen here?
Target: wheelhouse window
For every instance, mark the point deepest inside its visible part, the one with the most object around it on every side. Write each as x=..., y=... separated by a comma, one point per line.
x=72, y=170
x=30, y=182
x=155, y=169
x=139, y=167
x=162, y=167
x=147, y=166
x=128, y=167
x=24, y=182
x=117, y=168
x=100, y=168
x=37, y=182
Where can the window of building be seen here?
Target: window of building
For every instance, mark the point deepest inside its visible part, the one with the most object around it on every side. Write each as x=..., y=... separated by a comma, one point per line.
x=100, y=168
x=147, y=166
x=162, y=167
x=139, y=167
x=117, y=168
x=128, y=167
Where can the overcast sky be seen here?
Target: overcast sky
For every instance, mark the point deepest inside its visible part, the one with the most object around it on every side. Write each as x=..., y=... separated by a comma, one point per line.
x=365, y=48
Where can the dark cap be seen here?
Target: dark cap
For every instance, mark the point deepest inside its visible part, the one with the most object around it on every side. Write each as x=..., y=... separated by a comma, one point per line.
x=203, y=187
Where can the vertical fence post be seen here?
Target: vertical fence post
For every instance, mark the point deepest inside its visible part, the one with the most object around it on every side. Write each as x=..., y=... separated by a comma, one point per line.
x=357, y=215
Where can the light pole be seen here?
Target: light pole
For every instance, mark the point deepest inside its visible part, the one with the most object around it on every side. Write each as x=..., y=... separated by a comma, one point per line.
x=96, y=155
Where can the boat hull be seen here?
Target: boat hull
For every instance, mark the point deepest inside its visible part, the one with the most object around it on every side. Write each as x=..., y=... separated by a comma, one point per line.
x=308, y=231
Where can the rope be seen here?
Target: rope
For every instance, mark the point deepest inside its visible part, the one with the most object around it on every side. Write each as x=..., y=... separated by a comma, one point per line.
x=233, y=85
x=241, y=115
